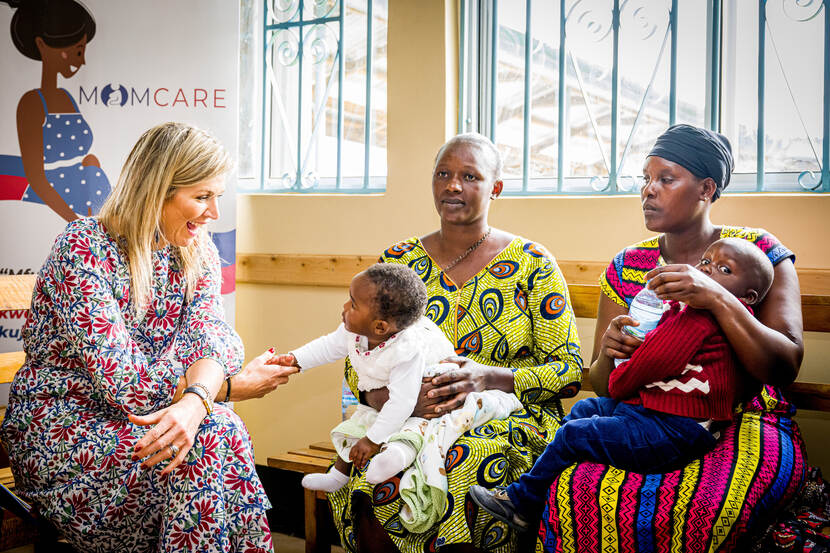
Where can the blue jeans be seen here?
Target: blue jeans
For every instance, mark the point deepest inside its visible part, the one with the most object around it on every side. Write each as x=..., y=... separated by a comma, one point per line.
x=603, y=430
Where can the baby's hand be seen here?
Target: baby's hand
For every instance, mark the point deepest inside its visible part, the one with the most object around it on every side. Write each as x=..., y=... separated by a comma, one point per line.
x=362, y=451
x=283, y=359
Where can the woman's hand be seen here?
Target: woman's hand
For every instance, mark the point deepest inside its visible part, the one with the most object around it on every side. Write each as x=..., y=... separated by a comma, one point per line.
x=258, y=378
x=448, y=391
x=362, y=451
x=686, y=284
x=617, y=344
x=283, y=359
x=172, y=426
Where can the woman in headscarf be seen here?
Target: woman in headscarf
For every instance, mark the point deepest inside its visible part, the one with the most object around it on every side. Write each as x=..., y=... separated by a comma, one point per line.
x=758, y=463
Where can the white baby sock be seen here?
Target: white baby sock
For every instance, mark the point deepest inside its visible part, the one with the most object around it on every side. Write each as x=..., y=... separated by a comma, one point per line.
x=330, y=481
x=389, y=462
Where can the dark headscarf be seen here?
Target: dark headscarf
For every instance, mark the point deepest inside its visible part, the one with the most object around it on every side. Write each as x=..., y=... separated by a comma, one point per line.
x=703, y=152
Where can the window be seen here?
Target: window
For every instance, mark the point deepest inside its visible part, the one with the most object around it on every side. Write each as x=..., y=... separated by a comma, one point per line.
x=574, y=92
x=312, y=114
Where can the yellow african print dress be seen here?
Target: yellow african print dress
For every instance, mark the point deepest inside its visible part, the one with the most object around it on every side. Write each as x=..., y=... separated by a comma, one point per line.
x=514, y=313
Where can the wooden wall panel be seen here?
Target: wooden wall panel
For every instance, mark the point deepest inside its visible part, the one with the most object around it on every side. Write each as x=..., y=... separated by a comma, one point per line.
x=16, y=291
x=338, y=270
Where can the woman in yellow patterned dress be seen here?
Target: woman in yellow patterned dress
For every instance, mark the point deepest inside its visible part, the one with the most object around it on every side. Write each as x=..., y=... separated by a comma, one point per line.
x=502, y=301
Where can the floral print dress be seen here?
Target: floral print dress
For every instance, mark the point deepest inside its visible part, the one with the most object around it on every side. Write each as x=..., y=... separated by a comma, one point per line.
x=90, y=362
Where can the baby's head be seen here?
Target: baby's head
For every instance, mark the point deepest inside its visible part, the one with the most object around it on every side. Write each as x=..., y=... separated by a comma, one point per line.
x=739, y=266
x=384, y=299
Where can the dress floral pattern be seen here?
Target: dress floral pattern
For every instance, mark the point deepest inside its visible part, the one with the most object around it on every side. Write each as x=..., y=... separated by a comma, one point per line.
x=91, y=361
x=514, y=313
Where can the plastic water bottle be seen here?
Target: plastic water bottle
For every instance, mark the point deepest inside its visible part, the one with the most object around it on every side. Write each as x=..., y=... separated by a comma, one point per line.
x=347, y=400
x=646, y=308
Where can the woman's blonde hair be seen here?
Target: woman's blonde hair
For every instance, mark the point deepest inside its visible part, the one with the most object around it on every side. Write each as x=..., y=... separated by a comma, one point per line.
x=166, y=158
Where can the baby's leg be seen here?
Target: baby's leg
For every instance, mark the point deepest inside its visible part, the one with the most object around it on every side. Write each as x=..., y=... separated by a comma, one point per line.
x=389, y=462
x=587, y=433
x=331, y=481
x=343, y=437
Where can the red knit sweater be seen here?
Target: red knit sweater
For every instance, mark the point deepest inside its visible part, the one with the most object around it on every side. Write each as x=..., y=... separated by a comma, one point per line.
x=684, y=367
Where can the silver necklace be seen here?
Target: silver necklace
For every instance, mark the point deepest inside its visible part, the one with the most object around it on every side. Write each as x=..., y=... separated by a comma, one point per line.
x=461, y=257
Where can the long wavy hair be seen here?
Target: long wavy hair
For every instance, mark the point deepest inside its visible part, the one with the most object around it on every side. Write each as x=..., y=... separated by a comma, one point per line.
x=166, y=158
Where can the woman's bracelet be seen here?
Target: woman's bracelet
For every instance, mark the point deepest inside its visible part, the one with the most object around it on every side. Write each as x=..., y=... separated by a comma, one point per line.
x=228, y=393
x=199, y=389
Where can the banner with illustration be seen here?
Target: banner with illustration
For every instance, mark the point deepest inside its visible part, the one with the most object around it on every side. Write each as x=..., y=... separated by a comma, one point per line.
x=79, y=83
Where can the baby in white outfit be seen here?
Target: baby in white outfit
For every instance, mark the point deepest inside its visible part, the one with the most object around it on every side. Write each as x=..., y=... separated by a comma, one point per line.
x=389, y=344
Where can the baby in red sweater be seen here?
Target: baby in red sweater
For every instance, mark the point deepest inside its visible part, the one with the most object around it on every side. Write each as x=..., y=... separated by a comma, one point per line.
x=663, y=400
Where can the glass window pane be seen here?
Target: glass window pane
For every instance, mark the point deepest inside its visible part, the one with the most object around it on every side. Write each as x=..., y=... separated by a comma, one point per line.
x=588, y=101
x=377, y=163
x=282, y=11
x=644, y=85
x=793, y=82
x=354, y=91
x=283, y=75
x=250, y=91
x=304, y=95
x=544, y=118
x=510, y=86
x=317, y=9
x=692, y=62
x=739, y=75
x=319, y=92
x=794, y=91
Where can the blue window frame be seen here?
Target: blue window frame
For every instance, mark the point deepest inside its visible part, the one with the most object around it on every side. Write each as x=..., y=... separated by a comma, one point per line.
x=752, y=69
x=313, y=96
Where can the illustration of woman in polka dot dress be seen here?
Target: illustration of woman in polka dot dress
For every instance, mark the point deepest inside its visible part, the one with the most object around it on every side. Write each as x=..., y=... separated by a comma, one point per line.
x=54, y=137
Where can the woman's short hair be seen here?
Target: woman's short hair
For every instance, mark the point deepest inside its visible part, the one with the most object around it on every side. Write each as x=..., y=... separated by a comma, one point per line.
x=60, y=23
x=166, y=158
x=478, y=141
x=400, y=294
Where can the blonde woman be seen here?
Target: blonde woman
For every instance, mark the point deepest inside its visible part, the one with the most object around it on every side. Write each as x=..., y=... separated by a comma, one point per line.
x=111, y=424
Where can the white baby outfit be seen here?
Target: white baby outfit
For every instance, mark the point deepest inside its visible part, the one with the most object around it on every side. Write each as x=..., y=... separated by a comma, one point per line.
x=399, y=364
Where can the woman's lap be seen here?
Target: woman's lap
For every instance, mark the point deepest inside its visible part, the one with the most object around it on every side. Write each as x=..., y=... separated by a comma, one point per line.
x=710, y=504
x=496, y=453
x=103, y=500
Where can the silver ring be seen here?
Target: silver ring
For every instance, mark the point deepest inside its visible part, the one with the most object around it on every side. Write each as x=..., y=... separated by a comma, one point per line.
x=174, y=450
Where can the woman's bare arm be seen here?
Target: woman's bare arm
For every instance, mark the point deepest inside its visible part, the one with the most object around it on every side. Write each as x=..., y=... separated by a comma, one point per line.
x=30, y=135
x=609, y=343
x=770, y=345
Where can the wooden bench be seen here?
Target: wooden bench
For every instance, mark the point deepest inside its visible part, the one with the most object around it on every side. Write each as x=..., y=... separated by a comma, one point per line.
x=581, y=276
x=15, y=295
x=317, y=457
